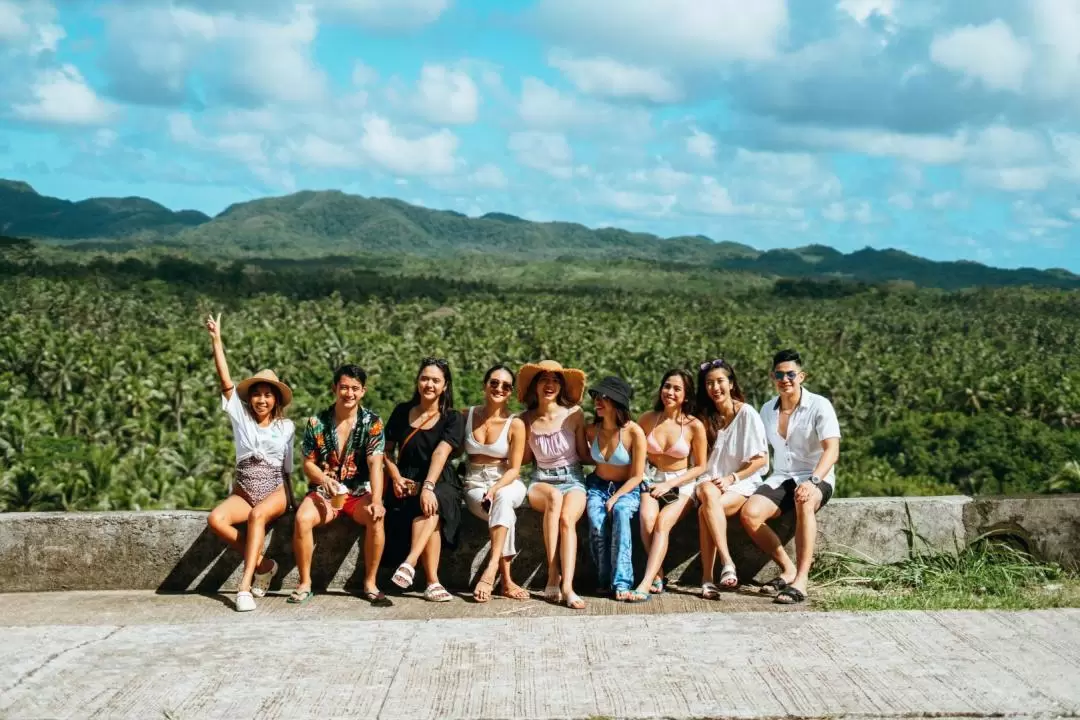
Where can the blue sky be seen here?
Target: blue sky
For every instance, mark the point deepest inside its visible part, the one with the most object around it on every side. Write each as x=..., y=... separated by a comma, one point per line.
x=950, y=130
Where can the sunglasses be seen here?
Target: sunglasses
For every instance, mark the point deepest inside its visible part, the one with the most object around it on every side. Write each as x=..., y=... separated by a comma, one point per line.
x=500, y=385
x=790, y=375
x=436, y=361
x=711, y=364
x=598, y=396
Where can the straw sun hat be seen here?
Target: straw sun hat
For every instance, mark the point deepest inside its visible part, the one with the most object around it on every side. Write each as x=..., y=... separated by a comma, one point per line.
x=243, y=388
x=573, y=379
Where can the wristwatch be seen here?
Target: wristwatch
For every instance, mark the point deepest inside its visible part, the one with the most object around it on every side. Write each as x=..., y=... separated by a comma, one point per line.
x=815, y=479
x=429, y=486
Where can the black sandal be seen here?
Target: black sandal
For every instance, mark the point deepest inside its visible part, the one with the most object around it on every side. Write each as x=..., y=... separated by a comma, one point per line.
x=790, y=596
x=774, y=586
x=377, y=599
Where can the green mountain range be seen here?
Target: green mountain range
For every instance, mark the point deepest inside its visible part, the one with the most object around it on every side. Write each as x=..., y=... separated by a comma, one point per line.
x=316, y=224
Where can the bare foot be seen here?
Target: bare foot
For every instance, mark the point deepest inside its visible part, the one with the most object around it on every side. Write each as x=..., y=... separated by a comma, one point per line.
x=514, y=591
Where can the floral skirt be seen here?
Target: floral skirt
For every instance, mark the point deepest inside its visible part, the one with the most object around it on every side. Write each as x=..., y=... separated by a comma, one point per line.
x=255, y=479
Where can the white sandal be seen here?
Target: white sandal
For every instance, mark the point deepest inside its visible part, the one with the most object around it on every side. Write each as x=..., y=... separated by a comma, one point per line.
x=261, y=582
x=435, y=592
x=709, y=591
x=404, y=576
x=728, y=579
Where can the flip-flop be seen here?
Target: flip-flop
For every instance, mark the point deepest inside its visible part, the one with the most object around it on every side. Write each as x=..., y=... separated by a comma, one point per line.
x=574, y=602
x=729, y=580
x=790, y=596
x=377, y=598
x=636, y=596
x=774, y=586
x=299, y=597
x=518, y=593
x=404, y=576
x=435, y=592
x=709, y=591
x=261, y=581
x=657, y=586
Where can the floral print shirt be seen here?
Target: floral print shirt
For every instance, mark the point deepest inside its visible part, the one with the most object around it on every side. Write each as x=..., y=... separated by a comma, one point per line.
x=348, y=466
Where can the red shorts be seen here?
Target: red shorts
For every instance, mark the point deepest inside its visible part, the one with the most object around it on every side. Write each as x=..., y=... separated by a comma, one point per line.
x=330, y=512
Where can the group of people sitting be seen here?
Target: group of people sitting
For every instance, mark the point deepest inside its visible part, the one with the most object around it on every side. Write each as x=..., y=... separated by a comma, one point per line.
x=701, y=446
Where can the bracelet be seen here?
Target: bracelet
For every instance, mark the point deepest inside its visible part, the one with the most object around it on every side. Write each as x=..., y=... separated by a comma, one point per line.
x=429, y=486
x=225, y=390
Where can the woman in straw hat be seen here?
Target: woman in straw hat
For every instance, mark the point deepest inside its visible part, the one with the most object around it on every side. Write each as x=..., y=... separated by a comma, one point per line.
x=264, y=458
x=555, y=444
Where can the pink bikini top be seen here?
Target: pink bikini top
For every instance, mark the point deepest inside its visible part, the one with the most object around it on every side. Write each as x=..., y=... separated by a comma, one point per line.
x=679, y=450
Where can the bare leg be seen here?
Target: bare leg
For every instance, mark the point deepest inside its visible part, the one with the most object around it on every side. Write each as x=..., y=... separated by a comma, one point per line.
x=374, y=542
x=805, y=537
x=308, y=517
x=757, y=510
x=661, y=533
x=548, y=500
x=572, y=510
x=223, y=520
x=649, y=512
x=432, y=549
x=486, y=584
x=265, y=512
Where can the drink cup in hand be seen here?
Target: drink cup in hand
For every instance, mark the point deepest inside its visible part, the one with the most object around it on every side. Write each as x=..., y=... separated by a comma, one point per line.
x=338, y=494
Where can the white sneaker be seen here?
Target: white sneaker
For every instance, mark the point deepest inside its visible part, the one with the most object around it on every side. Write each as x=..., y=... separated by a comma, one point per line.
x=244, y=601
x=261, y=583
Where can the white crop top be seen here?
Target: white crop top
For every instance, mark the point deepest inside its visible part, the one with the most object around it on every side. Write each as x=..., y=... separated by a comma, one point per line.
x=498, y=449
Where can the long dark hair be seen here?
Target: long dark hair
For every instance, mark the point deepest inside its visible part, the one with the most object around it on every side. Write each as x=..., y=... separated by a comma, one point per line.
x=446, y=400
x=622, y=413
x=689, y=400
x=706, y=408
x=495, y=368
x=532, y=397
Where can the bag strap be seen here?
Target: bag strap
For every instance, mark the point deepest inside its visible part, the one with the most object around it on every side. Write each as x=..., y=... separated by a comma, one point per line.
x=423, y=422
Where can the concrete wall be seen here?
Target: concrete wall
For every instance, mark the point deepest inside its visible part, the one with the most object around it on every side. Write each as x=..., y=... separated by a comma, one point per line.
x=174, y=550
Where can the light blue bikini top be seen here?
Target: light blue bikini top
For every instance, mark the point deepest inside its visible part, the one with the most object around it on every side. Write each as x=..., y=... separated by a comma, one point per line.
x=621, y=456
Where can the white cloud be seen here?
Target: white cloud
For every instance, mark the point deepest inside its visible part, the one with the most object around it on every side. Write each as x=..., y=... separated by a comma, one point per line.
x=701, y=144
x=155, y=51
x=62, y=97
x=927, y=149
x=29, y=27
x=432, y=154
x=363, y=74
x=489, y=176
x=548, y=152
x=903, y=201
x=244, y=147
x=942, y=200
x=834, y=212
x=447, y=96
x=988, y=53
x=1056, y=25
x=715, y=199
x=638, y=203
x=1013, y=179
x=663, y=177
x=318, y=152
x=543, y=107
x=863, y=213
x=607, y=77
x=862, y=10
x=384, y=14
x=681, y=32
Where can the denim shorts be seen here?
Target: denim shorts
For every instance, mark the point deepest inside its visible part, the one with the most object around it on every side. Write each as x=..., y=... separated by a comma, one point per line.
x=564, y=479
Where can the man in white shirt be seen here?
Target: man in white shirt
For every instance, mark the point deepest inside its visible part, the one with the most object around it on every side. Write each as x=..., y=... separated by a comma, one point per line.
x=805, y=437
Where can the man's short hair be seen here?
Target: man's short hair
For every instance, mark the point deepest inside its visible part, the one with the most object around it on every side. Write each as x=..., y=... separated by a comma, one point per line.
x=350, y=370
x=787, y=356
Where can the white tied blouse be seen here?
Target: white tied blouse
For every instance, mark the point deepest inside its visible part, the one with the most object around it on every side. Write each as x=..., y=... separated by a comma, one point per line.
x=272, y=443
x=741, y=440
x=813, y=422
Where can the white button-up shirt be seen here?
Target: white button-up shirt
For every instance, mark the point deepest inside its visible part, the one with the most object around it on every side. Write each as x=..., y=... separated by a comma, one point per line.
x=813, y=422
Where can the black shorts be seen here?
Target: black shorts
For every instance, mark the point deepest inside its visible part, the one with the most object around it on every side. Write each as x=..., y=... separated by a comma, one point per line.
x=784, y=496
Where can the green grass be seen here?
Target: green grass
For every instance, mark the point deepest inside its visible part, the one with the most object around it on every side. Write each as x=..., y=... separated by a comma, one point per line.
x=983, y=576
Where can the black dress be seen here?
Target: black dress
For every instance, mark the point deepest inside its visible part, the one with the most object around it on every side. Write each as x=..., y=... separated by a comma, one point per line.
x=414, y=461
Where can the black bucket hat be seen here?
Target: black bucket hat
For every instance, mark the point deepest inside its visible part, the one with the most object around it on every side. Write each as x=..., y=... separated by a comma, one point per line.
x=615, y=389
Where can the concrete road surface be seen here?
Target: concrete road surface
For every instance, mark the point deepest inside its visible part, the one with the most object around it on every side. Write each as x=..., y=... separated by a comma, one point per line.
x=139, y=655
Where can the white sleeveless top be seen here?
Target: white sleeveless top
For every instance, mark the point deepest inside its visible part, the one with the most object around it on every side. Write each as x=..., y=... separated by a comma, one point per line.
x=498, y=449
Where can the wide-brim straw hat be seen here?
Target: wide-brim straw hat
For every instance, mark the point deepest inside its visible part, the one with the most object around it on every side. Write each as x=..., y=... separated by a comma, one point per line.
x=243, y=388
x=573, y=379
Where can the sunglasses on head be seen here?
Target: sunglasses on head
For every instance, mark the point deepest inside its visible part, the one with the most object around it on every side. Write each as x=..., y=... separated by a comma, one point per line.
x=711, y=364
x=780, y=375
x=436, y=361
x=500, y=384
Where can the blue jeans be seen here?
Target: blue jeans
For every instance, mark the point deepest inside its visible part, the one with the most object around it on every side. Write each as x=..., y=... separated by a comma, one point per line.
x=611, y=534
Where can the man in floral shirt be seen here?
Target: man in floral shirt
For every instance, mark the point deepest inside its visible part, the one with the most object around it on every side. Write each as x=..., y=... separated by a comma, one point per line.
x=343, y=455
